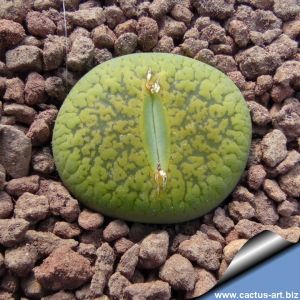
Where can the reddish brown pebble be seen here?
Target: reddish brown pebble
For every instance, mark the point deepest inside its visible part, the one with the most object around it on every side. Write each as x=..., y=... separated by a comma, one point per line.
x=178, y=272
x=128, y=261
x=205, y=252
x=256, y=176
x=150, y=290
x=66, y=230
x=115, y=230
x=63, y=269
x=90, y=220
x=205, y=281
x=154, y=250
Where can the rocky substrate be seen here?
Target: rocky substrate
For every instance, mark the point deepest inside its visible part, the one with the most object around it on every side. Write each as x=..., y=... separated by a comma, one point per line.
x=53, y=248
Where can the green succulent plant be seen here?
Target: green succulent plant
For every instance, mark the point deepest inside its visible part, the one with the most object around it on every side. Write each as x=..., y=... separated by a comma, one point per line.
x=152, y=137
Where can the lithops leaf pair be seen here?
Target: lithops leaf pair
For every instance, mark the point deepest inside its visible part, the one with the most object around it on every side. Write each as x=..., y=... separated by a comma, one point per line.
x=151, y=137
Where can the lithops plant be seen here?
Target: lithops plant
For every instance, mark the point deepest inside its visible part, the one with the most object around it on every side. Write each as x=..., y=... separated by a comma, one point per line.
x=152, y=137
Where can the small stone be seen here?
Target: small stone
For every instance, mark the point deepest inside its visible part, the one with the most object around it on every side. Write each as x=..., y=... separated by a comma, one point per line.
x=288, y=207
x=6, y=205
x=292, y=28
x=181, y=13
x=31, y=287
x=256, y=176
x=248, y=229
x=232, y=249
x=212, y=233
x=88, y=18
x=60, y=201
x=259, y=114
x=11, y=33
x=114, y=16
x=15, y=151
x=55, y=88
x=263, y=84
x=190, y=47
x=239, y=210
x=122, y=245
x=280, y=92
x=172, y=28
x=42, y=161
x=39, y=132
x=103, y=269
x=159, y=8
x=61, y=295
x=128, y=26
x=290, y=182
x=213, y=33
x=165, y=44
x=23, y=113
x=287, y=73
x=90, y=220
x=46, y=242
x=81, y=54
x=256, y=61
x=39, y=25
x=225, y=63
x=286, y=10
x=284, y=47
x=12, y=231
x=53, y=52
x=147, y=30
x=103, y=37
x=222, y=222
x=34, y=89
x=41, y=5
x=21, y=260
x=273, y=147
x=128, y=7
x=288, y=120
x=16, y=187
x=240, y=32
x=265, y=209
x=154, y=250
x=115, y=230
x=205, y=252
x=31, y=207
x=101, y=55
x=66, y=230
x=63, y=269
x=192, y=33
x=128, y=261
x=126, y=43
x=178, y=272
x=14, y=90
x=219, y=9
x=24, y=58
x=289, y=162
x=205, y=281
x=273, y=190
x=117, y=284
x=15, y=11
x=149, y=290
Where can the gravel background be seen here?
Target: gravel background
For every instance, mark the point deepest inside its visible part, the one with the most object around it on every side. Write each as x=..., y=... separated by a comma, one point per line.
x=48, y=241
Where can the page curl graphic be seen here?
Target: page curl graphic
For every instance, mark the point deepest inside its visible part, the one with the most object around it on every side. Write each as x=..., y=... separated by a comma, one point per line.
x=256, y=250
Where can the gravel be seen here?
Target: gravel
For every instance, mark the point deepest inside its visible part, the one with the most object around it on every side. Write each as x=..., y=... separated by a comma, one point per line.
x=49, y=241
